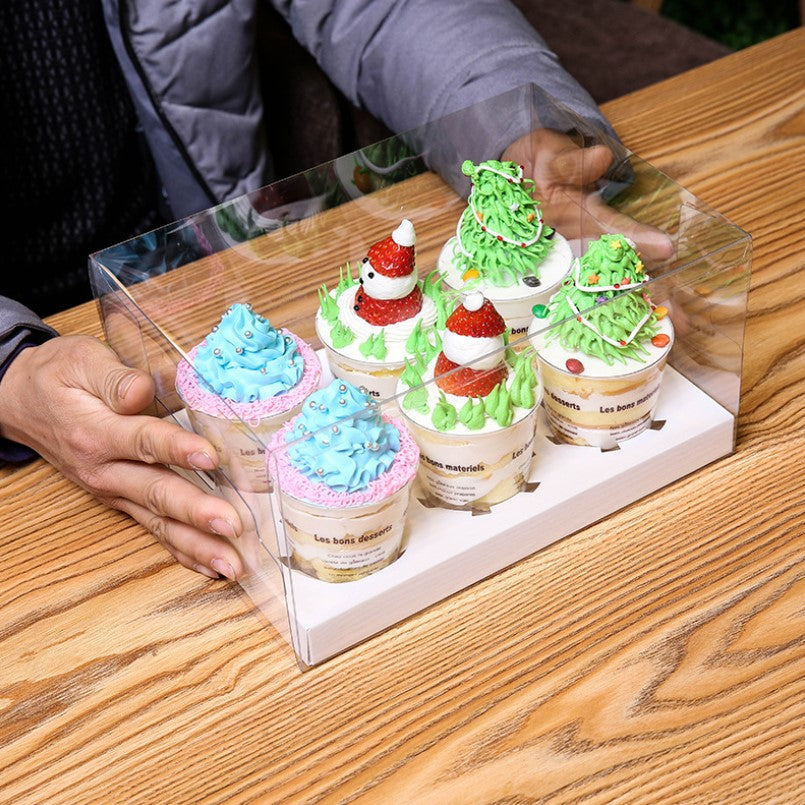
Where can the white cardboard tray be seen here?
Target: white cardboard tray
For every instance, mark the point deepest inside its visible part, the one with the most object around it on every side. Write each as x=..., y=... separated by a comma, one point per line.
x=449, y=550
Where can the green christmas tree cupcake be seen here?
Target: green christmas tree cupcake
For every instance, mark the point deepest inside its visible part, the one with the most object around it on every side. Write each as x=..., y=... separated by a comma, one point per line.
x=502, y=246
x=601, y=346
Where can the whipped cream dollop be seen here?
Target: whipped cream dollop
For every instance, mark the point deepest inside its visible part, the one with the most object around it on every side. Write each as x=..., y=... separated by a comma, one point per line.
x=245, y=359
x=340, y=439
x=477, y=352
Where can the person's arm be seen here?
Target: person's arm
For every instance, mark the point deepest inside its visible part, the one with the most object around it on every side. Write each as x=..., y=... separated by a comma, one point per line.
x=413, y=61
x=71, y=400
x=410, y=62
x=20, y=328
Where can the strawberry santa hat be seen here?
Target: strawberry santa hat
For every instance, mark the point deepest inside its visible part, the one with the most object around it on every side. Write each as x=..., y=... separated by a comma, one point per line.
x=474, y=337
x=389, y=292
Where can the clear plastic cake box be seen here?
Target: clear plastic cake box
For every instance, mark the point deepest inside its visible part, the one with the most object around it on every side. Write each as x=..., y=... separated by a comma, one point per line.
x=161, y=293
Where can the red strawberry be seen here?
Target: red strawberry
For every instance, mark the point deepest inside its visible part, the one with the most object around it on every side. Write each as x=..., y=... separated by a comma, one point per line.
x=390, y=258
x=380, y=312
x=482, y=323
x=466, y=381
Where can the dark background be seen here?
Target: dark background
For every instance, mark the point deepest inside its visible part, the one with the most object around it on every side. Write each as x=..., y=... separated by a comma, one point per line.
x=735, y=23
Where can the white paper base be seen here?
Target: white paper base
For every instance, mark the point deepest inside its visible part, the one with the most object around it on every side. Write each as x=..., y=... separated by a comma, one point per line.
x=449, y=550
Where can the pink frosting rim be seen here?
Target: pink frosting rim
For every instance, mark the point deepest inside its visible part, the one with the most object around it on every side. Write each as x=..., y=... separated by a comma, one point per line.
x=297, y=485
x=201, y=399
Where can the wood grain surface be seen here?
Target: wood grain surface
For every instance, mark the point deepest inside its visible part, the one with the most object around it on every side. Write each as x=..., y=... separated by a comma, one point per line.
x=656, y=657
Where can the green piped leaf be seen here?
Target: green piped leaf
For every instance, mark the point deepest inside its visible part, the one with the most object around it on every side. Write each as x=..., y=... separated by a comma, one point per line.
x=472, y=414
x=503, y=413
x=341, y=335
x=444, y=414
x=328, y=305
x=524, y=382
x=345, y=280
x=374, y=346
x=417, y=399
x=411, y=375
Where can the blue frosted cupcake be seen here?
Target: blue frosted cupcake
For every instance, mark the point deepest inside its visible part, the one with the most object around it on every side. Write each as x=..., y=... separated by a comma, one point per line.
x=344, y=475
x=242, y=382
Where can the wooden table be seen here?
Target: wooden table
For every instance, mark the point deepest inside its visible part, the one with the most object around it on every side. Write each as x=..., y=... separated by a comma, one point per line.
x=655, y=657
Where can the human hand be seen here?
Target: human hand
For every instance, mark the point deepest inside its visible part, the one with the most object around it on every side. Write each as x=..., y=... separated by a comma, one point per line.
x=72, y=401
x=565, y=174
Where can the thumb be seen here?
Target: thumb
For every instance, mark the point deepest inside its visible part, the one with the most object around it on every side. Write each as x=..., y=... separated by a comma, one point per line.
x=122, y=388
x=579, y=166
x=128, y=391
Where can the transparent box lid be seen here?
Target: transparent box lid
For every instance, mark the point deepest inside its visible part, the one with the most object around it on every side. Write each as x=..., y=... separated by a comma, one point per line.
x=289, y=248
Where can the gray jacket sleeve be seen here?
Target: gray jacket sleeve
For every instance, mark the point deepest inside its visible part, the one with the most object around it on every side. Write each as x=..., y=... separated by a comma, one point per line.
x=412, y=61
x=17, y=325
x=19, y=328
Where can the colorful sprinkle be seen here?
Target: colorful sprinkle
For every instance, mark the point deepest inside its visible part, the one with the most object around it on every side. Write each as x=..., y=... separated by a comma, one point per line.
x=661, y=340
x=593, y=279
x=470, y=274
x=574, y=366
x=660, y=311
x=540, y=311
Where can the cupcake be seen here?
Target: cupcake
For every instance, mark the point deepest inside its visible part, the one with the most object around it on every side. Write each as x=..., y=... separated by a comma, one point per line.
x=343, y=474
x=472, y=410
x=369, y=325
x=601, y=347
x=241, y=383
x=502, y=246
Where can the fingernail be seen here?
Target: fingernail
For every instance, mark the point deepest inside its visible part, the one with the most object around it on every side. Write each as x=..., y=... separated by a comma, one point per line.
x=223, y=528
x=201, y=461
x=205, y=571
x=224, y=568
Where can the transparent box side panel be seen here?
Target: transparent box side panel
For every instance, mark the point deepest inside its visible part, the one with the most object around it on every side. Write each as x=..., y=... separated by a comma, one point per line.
x=699, y=265
x=290, y=267
x=242, y=476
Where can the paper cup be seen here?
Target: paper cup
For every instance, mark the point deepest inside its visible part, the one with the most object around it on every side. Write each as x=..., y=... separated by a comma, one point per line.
x=602, y=405
x=340, y=536
x=379, y=380
x=338, y=545
x=472, y=468
x=240, y=445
